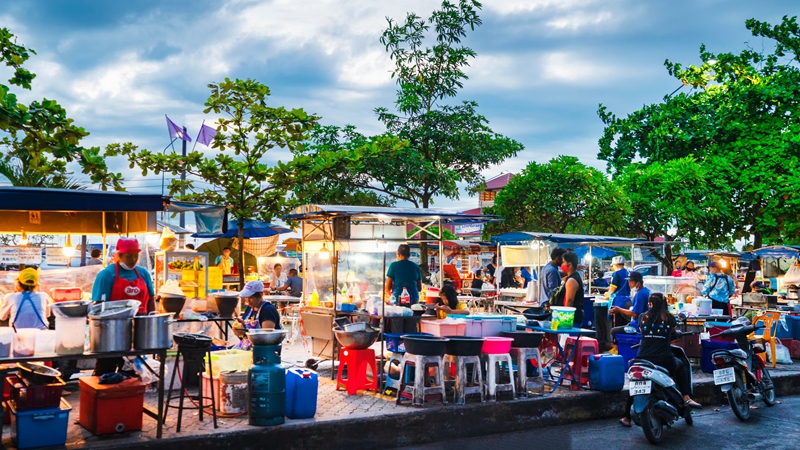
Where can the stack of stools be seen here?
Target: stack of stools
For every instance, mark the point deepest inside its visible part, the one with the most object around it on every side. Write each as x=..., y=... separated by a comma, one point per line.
x=194, y=348
x=423, y=356
x=391, y=382
x=525, y=352
x=495, y=356
x=396, y=348
x=356, y=363
x=580, y=358
x=462, y=352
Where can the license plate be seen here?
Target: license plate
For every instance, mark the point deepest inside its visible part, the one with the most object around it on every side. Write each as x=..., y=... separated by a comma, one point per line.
x=724, y=376
x=640, y=387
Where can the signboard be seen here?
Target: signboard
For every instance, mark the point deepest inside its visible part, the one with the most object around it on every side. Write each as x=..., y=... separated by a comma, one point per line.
x=470, y=228
x=637, y=254
x=31, y=256
x=56, y=258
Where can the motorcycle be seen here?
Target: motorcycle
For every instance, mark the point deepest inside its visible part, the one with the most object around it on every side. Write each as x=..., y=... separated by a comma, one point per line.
x=656, y=398
x=742, y=372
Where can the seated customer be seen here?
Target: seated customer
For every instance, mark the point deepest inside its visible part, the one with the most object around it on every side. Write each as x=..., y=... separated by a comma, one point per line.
x=293, y=284
x=641, y=296
x=449, y=304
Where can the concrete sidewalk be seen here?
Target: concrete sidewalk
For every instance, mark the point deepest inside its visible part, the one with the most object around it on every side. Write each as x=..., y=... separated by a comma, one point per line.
x=372, y=421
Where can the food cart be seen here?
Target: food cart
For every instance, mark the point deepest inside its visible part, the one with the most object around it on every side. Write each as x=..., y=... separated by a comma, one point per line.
x=348, y=248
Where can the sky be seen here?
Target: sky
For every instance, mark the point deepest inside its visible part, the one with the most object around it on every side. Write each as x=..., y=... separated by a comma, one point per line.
x=543, y=66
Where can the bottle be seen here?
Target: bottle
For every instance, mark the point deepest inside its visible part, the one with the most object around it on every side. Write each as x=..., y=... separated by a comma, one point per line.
x=314, y=298
x=345, y=298
x=405, y=297
x=392, y=300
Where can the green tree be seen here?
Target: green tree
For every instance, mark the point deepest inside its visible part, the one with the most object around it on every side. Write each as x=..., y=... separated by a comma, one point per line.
x=740, y=123
x=39, y=138
x=247, y=130
x=429, y=147
x=562, y=196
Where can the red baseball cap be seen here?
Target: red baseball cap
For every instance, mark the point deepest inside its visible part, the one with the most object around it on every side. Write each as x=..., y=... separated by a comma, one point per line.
x=128, y=245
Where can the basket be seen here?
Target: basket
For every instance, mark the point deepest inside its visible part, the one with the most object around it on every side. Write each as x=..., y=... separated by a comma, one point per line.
x=442, y=328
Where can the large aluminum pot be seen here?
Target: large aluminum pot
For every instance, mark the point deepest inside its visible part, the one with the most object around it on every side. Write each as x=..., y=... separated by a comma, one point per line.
x=153, y=331
x=110, y=335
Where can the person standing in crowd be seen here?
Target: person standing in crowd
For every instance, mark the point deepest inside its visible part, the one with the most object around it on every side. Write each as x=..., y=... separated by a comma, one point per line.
x=490, y=271
x=573, y=286
x=620, y=288
x=719, y=288
x=677, y=272
x=26, y=308
x=189, y=247
x=477, y=283
x=689, y=270
x=598, y=280
x=550, y=277
x=508, y=278
x=641, y=297
x=404, y=273
x=95, y=260
x=526, y=276
x=449, y=304
x=224, y=261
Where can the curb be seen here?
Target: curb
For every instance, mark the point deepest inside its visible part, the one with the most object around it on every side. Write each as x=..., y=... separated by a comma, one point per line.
x=424, y=426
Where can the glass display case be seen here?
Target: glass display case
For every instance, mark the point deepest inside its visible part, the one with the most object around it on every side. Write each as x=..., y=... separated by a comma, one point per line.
x=189, y=269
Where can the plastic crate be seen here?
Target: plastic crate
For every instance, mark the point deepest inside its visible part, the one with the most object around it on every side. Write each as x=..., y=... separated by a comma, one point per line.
x=795, y=326
x=709, y=347
x=394, y=342
x=785, y=333
x=489, y=326
x=443, y=328
x=228, y=361
x=40, y=427
x=37, y=396
x=624, y=344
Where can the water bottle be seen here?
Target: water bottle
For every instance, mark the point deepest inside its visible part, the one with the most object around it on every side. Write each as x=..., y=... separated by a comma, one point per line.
x=630, y=330
x=393, y=300
x=405, y=297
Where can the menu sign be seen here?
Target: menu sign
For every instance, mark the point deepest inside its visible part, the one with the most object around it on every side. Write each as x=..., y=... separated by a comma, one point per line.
x=31, y=256
x=55, y=257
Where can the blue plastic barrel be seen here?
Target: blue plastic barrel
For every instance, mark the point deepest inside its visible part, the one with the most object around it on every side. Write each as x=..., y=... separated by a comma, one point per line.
x=301, y=393
x=710, y=347
x=607, y=372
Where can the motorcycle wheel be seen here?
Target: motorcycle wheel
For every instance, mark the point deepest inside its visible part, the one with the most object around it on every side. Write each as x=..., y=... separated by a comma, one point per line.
x=736, y=397
x=651, y=425
x=769, y=391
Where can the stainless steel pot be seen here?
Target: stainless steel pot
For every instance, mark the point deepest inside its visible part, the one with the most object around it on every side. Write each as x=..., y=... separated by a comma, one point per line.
x=109, y=335
x=152, y=331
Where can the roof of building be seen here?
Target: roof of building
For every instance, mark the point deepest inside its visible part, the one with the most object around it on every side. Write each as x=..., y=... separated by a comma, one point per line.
x=499, y=182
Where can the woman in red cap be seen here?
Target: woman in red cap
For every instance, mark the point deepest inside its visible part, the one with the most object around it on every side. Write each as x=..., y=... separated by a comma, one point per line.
x=123, y=280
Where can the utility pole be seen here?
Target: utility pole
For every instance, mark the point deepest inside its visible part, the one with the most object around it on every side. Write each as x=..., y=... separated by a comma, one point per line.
x=183, y=189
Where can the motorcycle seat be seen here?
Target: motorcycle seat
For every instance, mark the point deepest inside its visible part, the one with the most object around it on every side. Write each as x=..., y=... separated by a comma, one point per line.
x=649, y=365
x=759, y=347
x=736, y=353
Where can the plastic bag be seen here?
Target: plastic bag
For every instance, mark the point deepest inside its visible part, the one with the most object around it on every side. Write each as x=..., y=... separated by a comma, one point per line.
x=793, y=274
x=782, y=353
x=146, y=376
x=169, y=242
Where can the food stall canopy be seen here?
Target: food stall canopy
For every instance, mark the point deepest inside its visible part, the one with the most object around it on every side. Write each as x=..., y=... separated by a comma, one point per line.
x=519, y=237
x=253, y=229
x=597, y=252
x=784, y=251
x=71, y=211
x=175, y=228
x=697, y=255
x=379, y=213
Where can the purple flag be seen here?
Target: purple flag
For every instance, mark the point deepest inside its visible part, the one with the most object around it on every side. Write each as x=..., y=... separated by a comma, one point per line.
x=176, y=132
x=206, y=135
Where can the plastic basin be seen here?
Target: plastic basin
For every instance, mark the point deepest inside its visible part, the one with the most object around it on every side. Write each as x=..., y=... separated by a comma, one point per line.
x=464, y=345
x=524, y=339
x=394, y=342
x=425, y=345
x=495, y=345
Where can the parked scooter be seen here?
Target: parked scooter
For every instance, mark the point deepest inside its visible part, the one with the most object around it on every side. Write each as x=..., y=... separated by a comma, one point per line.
x=656, y=398
x=742, y=373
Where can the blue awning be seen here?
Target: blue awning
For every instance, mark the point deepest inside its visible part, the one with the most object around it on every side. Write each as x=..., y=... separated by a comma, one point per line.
x=321, y=212
x=253, y=229
x=44, y=199
x=787, y=251
x=519, y=237
x=597, y=252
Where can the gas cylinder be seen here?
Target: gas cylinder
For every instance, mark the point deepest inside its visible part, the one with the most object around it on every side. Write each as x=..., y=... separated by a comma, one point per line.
x=266, y=387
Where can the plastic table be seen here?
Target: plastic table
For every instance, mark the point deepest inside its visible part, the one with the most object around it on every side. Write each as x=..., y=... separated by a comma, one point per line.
x=565, y=357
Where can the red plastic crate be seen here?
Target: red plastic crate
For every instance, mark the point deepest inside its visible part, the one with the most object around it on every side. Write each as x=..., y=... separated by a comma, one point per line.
x=28, y=396
x=111, y=408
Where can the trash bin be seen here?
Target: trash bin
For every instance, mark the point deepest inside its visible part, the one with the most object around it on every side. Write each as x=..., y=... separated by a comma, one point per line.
x=603, y=325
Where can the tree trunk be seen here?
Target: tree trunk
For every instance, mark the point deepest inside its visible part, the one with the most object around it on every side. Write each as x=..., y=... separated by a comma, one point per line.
x=758, y=240
x=423, y=250
x=240, y=237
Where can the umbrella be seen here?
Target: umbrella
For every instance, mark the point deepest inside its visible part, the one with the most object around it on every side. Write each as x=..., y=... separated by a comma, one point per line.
x=253, y=229
x=291, y=245
x=597, y=252
x=214, y=248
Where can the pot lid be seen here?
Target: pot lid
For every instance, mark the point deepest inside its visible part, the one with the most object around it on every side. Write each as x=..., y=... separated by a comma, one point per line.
x=39, y=369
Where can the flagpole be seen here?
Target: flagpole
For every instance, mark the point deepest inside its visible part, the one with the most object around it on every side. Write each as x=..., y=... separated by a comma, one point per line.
x=171, y=144
x=198, y=135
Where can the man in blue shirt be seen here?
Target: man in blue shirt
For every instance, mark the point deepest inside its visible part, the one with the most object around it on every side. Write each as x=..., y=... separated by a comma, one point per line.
x=640, y=305
x=404, y=273
x=526, y=276
x=550, y=277
x=294, y=284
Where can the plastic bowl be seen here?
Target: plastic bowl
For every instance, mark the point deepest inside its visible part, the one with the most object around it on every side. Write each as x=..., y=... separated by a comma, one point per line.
x=425, y=345
x=464, y=346
x=494, y=345
x=356, y=340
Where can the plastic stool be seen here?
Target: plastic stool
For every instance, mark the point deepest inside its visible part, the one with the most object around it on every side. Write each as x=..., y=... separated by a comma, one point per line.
x=196, y=355
x=525, y=382
x=393, y=383
x=291, y=317
x=356, y=363
x=463, y=385
x=580, y=357
x=493, y=373
x=423, y=388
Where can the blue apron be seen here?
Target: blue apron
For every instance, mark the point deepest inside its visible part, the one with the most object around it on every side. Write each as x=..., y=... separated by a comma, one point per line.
x=31, y=318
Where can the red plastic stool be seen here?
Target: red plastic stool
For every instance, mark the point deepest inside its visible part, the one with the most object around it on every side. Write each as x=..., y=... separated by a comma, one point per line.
x=356, y=363
x=580, y=358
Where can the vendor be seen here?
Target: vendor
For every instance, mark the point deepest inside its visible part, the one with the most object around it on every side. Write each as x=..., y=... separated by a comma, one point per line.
x=404, y=273
x=277, y=278
x=689, y=270
x=759, y=287
x=449, y=304
x=677, y=272
x=259, y=312
x=620, y=289
x=641, y=297
x=293, y=285
x=477, y=283
x=26, y=307
x=719, y=288
x=224, y=261
x=124, y=280
x=599, y=281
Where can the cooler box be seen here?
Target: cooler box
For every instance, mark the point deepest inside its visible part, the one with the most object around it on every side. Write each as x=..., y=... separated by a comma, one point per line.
x=301, y=393
x=795, y=326
x=111, y=408
x=40, y=427
x=624, y=344
x=785, y=333
x=483, y=326
x=713, y=328
x=607, y=372
x=710, y=347
x=443, y=327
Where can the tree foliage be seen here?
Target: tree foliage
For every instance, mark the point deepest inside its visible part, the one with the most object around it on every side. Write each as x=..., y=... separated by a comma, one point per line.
x=39, y=136
x=240, y=178
x=561, y=196
x=740, y=124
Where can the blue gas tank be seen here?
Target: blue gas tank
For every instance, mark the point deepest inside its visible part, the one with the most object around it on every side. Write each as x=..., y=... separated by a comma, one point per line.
x=301, y=393
x=606, y=372
x=266, y=387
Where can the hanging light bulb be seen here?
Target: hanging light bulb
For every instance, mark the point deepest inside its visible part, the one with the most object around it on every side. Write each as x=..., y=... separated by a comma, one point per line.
x=381, y=244
x=153, y=238
x=24, y=240
x=68, y=250
x=324, y=253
